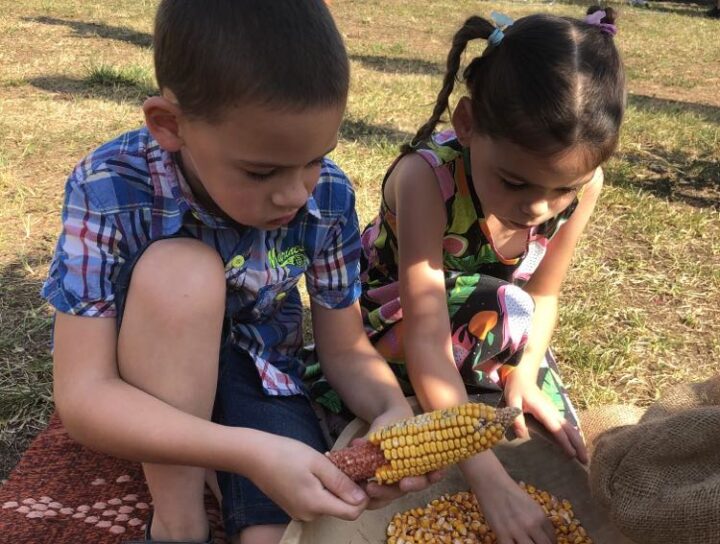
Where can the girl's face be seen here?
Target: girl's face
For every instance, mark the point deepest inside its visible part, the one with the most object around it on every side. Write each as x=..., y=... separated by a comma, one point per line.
x=519, y=188
x=258, y=165
x=522, y=189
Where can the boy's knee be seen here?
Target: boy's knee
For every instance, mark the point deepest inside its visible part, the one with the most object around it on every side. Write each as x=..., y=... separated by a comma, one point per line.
x=260, y=534
x=180, y=270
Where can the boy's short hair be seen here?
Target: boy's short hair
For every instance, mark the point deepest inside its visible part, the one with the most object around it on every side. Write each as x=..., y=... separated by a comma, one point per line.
x=215, y=54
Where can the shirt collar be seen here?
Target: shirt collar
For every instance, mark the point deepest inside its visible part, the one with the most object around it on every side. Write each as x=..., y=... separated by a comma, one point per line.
x=186, y=196
x=312, y=208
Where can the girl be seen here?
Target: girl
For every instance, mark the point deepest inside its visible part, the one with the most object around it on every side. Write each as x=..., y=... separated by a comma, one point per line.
x=463, y=265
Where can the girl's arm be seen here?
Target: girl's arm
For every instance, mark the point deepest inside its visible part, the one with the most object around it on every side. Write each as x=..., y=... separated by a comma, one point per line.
x=521, y=386
x=413, y=192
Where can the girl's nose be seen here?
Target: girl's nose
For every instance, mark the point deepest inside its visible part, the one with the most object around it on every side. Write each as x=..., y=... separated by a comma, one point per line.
x=535, y=208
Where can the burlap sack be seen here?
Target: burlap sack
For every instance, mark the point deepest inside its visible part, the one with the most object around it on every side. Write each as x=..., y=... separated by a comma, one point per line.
x=660, y=478
x=538, y=461
x=598, y=419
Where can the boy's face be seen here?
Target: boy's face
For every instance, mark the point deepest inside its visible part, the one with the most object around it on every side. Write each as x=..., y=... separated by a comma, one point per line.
x=258, y=165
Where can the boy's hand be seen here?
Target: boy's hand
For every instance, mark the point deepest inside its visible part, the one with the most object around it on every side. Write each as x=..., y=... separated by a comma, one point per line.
x=522, y=391
x=304, y=482
x=381, y=495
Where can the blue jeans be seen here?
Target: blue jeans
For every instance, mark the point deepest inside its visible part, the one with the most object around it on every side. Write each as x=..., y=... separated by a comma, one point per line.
x=241, y=402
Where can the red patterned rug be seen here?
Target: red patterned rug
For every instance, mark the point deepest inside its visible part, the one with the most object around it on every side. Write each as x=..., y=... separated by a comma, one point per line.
x=63, y=493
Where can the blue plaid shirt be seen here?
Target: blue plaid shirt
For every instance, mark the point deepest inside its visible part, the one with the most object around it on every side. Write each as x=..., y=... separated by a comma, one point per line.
x=130, y=191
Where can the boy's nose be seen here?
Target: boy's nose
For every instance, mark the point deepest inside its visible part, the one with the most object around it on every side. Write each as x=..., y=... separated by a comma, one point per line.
x=293, y=194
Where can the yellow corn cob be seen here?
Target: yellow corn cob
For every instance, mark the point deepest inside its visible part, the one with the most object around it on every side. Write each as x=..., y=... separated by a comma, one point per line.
x=425, y=443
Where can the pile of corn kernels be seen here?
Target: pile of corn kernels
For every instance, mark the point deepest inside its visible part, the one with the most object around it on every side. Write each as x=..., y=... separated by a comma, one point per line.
x=457, y=519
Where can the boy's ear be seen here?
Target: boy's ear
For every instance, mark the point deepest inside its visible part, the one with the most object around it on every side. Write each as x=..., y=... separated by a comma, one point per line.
x=162, y=118
x=462, y=121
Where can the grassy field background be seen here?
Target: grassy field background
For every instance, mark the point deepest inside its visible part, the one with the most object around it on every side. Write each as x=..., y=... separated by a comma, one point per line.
x=641, y=307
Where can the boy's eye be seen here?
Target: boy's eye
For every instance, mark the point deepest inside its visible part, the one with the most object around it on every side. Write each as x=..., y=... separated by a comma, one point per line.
x=316, y=162
x=259, y=176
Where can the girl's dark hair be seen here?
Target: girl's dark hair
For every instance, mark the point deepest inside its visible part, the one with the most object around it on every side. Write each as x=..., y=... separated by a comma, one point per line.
x=215, y=54
x=551, y=83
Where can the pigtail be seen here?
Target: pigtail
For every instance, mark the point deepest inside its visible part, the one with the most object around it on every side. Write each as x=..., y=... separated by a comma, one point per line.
x=603, y=18
x=475, y=27
x=610, y=14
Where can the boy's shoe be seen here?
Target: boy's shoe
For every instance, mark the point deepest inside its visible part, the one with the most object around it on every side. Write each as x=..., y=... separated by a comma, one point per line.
x=149, y=540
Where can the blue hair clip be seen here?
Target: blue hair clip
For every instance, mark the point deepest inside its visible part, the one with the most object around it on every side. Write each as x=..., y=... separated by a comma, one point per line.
x=501, y=21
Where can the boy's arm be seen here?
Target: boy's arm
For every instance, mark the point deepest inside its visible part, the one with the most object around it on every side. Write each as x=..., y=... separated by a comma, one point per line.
x=104, y=412
x=365, y=382
x=352, y=366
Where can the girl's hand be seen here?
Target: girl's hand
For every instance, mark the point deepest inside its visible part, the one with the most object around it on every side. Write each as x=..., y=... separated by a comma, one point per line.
x=304, y=482
x=512, y=515
x=521, y=390
x=381, y=495
x=510, y=512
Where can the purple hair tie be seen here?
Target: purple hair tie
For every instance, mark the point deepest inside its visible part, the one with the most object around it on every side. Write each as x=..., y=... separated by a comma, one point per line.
x=596, y=18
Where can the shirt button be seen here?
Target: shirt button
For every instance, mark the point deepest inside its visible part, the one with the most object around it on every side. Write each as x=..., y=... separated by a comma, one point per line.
x=237, y=261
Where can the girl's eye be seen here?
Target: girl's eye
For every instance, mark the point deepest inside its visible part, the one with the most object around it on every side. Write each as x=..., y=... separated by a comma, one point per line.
x=512, y=184
x=567, y=190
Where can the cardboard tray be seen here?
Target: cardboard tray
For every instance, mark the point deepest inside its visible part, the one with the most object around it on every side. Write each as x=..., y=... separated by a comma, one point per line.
x=537, y=461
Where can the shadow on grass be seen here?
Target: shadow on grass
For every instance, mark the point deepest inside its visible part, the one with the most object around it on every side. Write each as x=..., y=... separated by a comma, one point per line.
x=25, y=365
x=90, y=30
x=689, y=9
x=398, y=65
x=677, y=7
x=662, y=105
x=360, y=131
x=120, y=90
x=675, y=176
x=671, y=174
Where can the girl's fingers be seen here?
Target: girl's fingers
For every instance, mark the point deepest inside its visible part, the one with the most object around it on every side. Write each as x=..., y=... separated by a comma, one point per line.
x=577, y=441
x=412, y=484
x=545, y=534
x=550, y=420
x=519, y=425
x=565, y=434
x=435, y=476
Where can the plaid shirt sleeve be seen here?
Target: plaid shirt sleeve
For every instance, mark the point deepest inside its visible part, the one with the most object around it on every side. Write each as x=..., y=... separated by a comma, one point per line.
x=86, y=255
x=333, y=278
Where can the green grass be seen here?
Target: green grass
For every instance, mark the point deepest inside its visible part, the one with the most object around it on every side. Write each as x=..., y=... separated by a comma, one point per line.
x=640, y=309
x=133, y=79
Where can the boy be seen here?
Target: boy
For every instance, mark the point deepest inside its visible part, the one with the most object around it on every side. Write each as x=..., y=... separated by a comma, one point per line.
x=175, y=275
